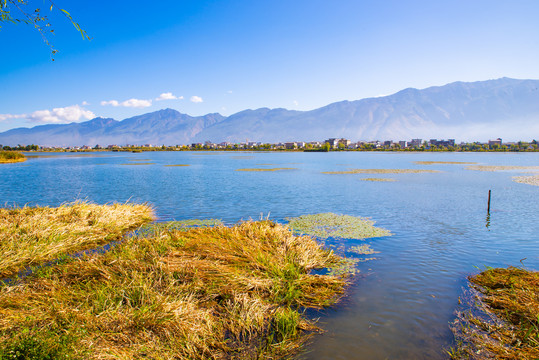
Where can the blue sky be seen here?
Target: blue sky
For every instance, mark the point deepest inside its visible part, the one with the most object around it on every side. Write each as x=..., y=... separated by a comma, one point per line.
x=226, y=56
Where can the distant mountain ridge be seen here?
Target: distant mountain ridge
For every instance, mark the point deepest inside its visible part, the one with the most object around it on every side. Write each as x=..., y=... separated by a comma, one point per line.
x=504, y=107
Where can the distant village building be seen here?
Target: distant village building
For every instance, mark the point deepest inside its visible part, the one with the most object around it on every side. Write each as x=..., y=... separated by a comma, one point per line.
x=333, y=142
x=498, y=142
x=415, y=143
x=344, y=142
x=444, y=143
x=402, y=144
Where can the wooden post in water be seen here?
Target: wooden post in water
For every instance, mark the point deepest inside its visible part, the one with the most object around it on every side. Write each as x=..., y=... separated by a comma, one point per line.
x=488, y=208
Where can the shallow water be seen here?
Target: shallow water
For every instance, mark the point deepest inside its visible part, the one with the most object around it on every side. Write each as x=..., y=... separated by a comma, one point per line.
x=400, y=304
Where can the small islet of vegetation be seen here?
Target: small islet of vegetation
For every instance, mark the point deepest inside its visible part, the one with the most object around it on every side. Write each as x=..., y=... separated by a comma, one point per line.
x=443, y=163
x=501, y=168
x=379, y=179
x=381, y=171
x=7, y=157
x=502, y=316
x=530, y=180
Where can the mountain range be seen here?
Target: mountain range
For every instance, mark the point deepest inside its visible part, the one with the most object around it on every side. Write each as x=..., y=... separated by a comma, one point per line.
x=507, y=108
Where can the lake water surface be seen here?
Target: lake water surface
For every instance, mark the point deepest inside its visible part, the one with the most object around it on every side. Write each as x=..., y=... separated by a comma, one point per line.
x=400, y=305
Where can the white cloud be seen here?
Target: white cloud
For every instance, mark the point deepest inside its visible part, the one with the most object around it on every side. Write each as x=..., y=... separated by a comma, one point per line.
x=84, y=103
x=138, y=103
x=196, y=99
x=63, y=115
x=168, y=96
x=295, y=103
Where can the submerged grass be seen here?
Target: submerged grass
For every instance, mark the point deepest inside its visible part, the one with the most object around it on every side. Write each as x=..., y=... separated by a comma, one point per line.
x=381, y=171
x=501, y=168
x=33, y=235
x=265, y=169
x=332, y=225
x=443, y=162
x=7, y=157
x=530, y=180
x=379, y=179
x=203, y=293
x=503, y=320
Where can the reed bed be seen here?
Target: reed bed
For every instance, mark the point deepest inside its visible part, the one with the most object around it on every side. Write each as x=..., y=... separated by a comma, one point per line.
x=530, y=180
x=443, y=162
x=7, y=157
x=33, y=235
x=265, y=169
x=381, y=171
x=503, y=320
x=501, y=168
x=327, y=225
x=205, y=293
x=379, y=179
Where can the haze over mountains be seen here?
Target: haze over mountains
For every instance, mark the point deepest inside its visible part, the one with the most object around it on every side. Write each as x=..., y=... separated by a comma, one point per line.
x=506, y=108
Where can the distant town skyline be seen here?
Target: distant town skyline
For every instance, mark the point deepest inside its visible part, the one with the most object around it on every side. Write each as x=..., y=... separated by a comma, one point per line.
x=201, y=57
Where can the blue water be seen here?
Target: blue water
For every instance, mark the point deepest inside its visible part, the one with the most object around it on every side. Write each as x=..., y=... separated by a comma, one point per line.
x=400, y=304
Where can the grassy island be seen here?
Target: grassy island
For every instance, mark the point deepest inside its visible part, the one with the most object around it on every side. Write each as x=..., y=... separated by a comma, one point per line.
x=208, y=292
x=503, y=322
x=7, y=157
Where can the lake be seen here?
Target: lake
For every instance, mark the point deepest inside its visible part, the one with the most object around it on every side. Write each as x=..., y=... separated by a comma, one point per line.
x=400, y=304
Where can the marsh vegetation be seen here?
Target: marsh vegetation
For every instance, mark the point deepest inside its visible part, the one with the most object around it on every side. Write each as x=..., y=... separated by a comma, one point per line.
x=530, y=180
x=381, y=171
x=266, y=169
x=502, y=319
x=443, y=162
x=379, y=179
x=7, y=157
x=209, y=292
x=501, y=168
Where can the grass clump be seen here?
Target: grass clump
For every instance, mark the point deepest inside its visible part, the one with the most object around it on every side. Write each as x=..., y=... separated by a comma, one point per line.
x=332, y=225
x=265, y=169
x=530, y=180
x=443, y=162
x=379, y=179
x=7, y=157
x=381, y=171
x=501, y=168
x=503, y=322
x=33, y=235
x=202, y=293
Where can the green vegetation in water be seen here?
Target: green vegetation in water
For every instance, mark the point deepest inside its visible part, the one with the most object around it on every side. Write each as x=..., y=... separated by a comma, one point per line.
x=180, y=225
x=503, y=317
x=530, y=180
x=7, y=157
x=379, y=179
x=265, y=169
x=381, y=171
x=31, y=236
x=139, y=163
x=173, y=165
x=201, y=293
x=501, y=168
x=332, y=225
x=364, y=249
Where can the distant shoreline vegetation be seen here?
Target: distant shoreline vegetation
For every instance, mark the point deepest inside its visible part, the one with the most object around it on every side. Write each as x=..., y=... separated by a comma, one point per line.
x=315, y=146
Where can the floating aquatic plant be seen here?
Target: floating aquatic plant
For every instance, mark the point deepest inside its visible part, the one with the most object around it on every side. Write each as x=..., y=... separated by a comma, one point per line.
x=264, y=169
x=381, y=171
x=530, y=180
x=332, y=225
x=501, y=168
x=443, y=162
x=379, y=179
x=364, y=249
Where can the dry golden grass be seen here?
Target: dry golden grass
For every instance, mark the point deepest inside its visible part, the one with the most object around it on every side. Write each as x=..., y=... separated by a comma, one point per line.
x=501, y=168
x=503, y=322
x=7, y=157
x=379, y=179
x=264, y=169
x=202, y=293
x=530, y=180
x=443, y=162
x=33, y=235
x=381, y=171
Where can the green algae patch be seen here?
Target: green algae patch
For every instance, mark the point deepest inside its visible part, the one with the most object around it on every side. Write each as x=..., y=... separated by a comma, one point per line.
x=443, y=163
x=173, y=165
x=364, y=249
x=503, y=319
x=266, y=169
x=139, y=163
x=337, y=226
x=530, y=180
x=379, y=179
x=205, y=293
x=31, y=236
x=501, y=168
x=381, y=171
x=9, y=157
